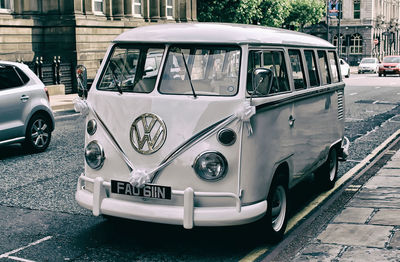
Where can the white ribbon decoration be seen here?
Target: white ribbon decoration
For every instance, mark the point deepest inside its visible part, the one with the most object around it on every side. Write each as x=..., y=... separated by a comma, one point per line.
x=140, y=177
x=81, y=106
x=244, y=114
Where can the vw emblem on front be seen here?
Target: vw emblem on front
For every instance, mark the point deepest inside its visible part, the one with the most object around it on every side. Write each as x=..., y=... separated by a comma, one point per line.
x=148, y=133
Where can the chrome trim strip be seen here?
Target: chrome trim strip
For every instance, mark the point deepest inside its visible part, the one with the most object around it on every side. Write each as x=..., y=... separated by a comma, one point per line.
x=300, y=95
x=11, y=141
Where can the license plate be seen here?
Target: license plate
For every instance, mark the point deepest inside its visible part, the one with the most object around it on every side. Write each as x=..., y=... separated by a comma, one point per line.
x=148, y=191
x=389, y=70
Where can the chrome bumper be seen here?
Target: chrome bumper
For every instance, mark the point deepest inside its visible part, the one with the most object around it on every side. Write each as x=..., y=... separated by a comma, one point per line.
x=186, y=215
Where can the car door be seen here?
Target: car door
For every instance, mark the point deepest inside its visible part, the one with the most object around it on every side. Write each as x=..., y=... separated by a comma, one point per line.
x=13, y=101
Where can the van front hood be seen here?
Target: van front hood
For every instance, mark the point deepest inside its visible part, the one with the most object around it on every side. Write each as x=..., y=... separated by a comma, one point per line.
x=149, y=129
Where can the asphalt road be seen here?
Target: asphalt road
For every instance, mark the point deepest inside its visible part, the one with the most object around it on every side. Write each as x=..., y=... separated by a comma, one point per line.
x=40, y=221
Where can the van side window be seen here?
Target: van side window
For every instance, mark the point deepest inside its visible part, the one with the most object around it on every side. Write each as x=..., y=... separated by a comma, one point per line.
x=312, y=68
x=323, y=63
x=274, y=61
x=297, y=69
x=334, y=66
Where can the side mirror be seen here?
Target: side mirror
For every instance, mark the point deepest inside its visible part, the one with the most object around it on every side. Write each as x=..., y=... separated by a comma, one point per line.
x=81, y=77
x=262, y=81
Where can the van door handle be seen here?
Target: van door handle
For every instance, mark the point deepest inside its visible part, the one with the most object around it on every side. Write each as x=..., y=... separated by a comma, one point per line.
x=24, y=98
x=291, y=120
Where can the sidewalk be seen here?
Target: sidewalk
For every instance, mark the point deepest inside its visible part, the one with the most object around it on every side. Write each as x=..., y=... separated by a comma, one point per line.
x=368, y=229
x=62, y=102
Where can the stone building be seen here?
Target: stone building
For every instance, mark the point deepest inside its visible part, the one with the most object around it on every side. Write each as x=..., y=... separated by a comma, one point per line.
x=368, y=28
x=45, y=33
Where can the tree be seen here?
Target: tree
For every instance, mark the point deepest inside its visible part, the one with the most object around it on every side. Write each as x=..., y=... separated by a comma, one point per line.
x=305, y=12
x=276, y=13
x=231, y=11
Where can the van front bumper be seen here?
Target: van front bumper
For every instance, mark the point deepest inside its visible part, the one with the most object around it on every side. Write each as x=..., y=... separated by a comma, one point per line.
x=187, y=215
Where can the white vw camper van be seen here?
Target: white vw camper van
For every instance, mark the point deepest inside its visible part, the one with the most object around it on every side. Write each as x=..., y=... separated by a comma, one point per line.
x=203, y=124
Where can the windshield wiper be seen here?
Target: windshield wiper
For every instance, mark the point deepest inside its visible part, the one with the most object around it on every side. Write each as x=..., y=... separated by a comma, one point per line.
x=190, y=78
x=114, y=76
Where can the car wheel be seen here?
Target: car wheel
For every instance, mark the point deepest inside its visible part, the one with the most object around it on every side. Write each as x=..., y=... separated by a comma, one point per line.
x=348, y=74
x=38, y=134
x=275, y=219
x=379, y=74
x=326, y=175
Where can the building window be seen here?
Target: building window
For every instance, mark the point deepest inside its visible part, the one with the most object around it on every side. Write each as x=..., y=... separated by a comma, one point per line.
x=357, y=8
x=342, y=44
x=170, y=9
x=98, y=6
x=5, y=4
x=137, y=8
x=356, y=44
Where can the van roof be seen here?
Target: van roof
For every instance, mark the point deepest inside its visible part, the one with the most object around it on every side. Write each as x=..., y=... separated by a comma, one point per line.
x=218, y=33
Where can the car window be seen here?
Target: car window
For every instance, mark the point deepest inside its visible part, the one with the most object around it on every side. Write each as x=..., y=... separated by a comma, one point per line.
x=323, y=63
x=9, y=77
x=311, y=68
x=334, y=66
x=275, y=62
x=209, y=70
x=132, y=69
x=368, y=61
x=297, y=69
x=391, y=59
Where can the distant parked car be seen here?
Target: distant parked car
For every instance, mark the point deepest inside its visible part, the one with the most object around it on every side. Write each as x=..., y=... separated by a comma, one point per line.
x=390, y=65
x=370, y=64
x=25, y=113
x=344, y=68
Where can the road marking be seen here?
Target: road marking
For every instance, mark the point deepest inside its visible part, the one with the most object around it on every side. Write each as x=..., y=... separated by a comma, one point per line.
x=259, y=251
x=377, y=87
x=7, y=255
x=375, y=102
x=352, y=94
x=20, y=259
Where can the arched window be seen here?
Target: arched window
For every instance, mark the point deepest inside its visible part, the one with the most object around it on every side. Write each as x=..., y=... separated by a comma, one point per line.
x=356, y=44
x=335, y=43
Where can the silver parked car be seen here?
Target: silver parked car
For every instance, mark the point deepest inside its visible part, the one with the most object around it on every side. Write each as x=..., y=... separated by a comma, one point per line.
x=25, y=113
x=370, y=64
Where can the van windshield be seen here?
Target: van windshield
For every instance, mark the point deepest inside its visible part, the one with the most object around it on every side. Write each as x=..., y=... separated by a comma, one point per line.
x=132, y=69
x=213, y=70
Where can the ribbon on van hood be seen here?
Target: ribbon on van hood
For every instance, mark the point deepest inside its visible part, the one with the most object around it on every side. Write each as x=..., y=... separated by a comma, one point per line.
x=141, y=176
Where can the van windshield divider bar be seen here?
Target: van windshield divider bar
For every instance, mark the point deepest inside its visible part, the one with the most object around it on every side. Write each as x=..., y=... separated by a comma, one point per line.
x=190, y=78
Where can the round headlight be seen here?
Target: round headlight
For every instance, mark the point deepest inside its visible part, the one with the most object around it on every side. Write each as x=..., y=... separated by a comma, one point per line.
x=94, y=155
x=210, y=166
x=91, y=127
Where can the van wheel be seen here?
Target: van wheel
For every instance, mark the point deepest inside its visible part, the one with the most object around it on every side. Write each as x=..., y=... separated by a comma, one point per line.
x=38, y=134
x=275, y=219
x=326, y=175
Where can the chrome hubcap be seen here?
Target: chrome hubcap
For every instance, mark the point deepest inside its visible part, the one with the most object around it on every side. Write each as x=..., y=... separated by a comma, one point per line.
x=39, y=133
x=332, y=165
x=278, y=211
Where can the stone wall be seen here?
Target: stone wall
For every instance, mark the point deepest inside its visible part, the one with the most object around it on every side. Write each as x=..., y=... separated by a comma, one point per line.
x=71, y=30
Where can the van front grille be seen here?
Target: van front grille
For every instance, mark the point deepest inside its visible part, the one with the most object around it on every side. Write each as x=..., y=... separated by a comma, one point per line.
x=340, y=105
